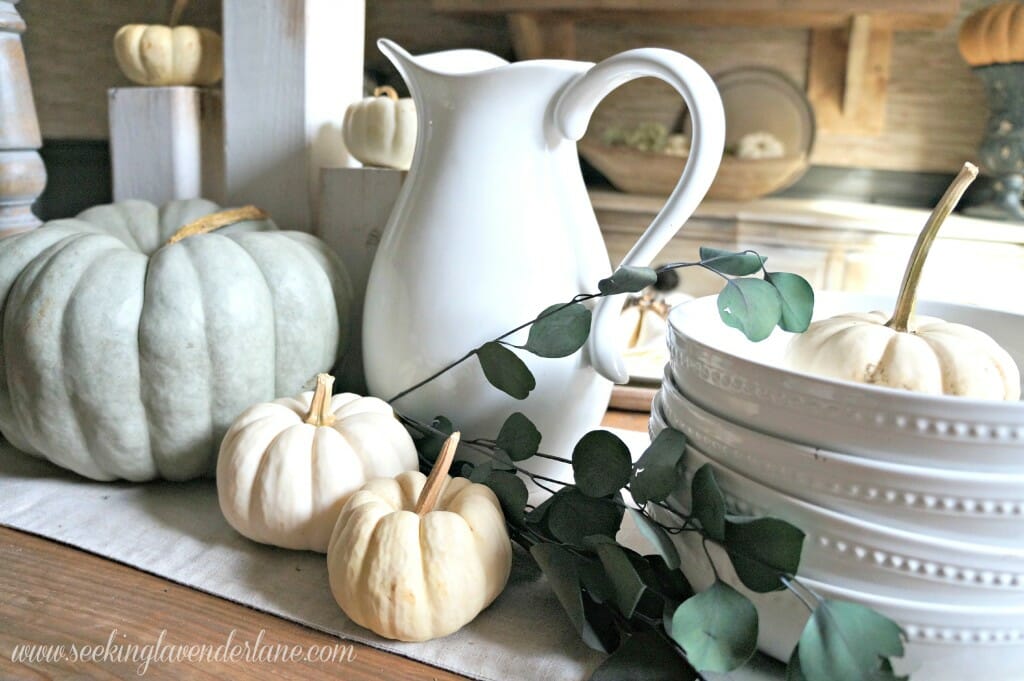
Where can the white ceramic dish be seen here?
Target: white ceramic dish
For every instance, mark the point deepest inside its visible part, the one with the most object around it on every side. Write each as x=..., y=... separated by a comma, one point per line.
x=860, y=555
x=745, y=383
x=945, y=642
x=954, y=504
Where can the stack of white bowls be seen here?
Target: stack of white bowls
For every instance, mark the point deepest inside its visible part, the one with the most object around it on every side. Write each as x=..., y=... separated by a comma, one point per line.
x=912, y=504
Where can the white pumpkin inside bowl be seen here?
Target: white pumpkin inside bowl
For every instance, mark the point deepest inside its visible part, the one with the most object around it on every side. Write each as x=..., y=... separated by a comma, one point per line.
x=921, y=354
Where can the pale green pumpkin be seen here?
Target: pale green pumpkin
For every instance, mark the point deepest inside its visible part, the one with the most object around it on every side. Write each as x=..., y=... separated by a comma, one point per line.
x=123, y=356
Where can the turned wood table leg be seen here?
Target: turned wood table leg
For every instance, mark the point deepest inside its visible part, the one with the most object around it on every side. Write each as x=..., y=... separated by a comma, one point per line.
x=22, y=174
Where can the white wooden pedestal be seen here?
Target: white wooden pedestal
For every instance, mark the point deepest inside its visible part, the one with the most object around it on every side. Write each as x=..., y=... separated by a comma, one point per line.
x=166, y=143
x=355, y=204
x=291, y=68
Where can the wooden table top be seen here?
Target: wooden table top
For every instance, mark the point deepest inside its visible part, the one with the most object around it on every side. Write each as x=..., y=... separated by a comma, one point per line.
x=54, y=594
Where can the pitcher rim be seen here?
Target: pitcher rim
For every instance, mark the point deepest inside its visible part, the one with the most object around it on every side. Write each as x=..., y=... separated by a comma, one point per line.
x=389, y=47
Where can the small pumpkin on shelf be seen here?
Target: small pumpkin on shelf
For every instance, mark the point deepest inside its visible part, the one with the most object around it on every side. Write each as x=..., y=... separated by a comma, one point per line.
x=158, y=55
x=414, y=558
x=381, y=130
x=993, y=34
x=287, y=467
x=921, y=354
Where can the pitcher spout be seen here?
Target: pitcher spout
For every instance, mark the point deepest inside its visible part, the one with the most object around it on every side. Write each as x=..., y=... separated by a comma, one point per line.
x=447, y=63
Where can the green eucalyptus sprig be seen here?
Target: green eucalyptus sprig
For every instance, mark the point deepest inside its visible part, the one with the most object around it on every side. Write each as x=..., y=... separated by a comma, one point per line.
x=752, y=305
x=640, y=608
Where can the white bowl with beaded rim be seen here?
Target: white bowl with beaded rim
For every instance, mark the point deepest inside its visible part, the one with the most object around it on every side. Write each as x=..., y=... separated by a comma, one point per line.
x=948, y=503
x=848, y=552
x=747, y=383
x=945, y=641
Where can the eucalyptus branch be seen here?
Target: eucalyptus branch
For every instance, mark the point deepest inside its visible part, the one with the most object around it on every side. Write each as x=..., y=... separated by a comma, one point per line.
x=547, y=313
x=769, y=548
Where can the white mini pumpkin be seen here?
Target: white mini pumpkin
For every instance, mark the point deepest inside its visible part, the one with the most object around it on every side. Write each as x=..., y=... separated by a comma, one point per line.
x=287, y=467
x=932, y=356
x=413, y=558
x=381, y=130
x=156, y=55
x=921, y=354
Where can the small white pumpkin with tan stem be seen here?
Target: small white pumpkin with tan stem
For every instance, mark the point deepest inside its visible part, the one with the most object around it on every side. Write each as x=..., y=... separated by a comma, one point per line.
x=917, y=353
x=381, y=130
x=158, y=55
x=287, y=467
x=414, y=558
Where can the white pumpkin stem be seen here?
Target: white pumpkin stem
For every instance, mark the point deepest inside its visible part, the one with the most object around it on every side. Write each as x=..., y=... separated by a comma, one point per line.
x=912, y=277
x=177, y=11
x=387, y=91
x=320, y=413
x=214, y=221
x=432, y=489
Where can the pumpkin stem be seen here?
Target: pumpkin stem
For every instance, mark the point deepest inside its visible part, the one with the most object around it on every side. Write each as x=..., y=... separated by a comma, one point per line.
x=386, y=90
x=320, y=408
x=214, y=221
x=177, y=11
x=432, y=489
x=912, y=277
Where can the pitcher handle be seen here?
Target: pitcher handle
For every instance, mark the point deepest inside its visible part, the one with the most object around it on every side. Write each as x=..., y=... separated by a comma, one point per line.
x=572, y=114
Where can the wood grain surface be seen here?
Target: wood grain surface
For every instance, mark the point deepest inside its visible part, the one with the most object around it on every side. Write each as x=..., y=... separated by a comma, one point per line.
x=54, y=594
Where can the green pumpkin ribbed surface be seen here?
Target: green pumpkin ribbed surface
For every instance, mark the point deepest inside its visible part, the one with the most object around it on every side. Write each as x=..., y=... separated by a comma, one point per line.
x=124, y=358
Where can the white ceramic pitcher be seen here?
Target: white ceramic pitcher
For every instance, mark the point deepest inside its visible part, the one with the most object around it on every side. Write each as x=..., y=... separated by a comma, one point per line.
x=493, y=224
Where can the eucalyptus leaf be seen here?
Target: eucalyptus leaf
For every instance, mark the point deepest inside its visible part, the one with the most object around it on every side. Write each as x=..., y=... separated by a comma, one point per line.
x=481, y=472
x=559, y=331
x=797, y=299
x=501, y=461
x=717, y=628
x=657, y=536
x=848, y=642
x=595, y=581
x=518, y=437
x=538, y=516
x=628, y=279
x=657, y=472
x=511, y=492
x=505, y=371
x=670, y=582
x=730, y=262
x=592, y=542
x=626, y=582
x=602, y=623
x=653, y=599
x=644, y=656
x=601, y=463
x=429, y=446
x=751, y=305
x=708, y=503
x=573, y=517
x=763, y=550
x=560, y=567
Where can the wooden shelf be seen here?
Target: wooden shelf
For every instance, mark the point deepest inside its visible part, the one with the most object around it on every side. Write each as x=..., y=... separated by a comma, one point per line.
x=903, y=14
x=850, y=48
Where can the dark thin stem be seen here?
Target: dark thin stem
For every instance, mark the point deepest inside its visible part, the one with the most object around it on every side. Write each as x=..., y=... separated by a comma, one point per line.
x=552, y=457
x=711, y=561
x=796, y=592
x=538, y=476
x=708, y=261
x=576, y=299
x=434, y=375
